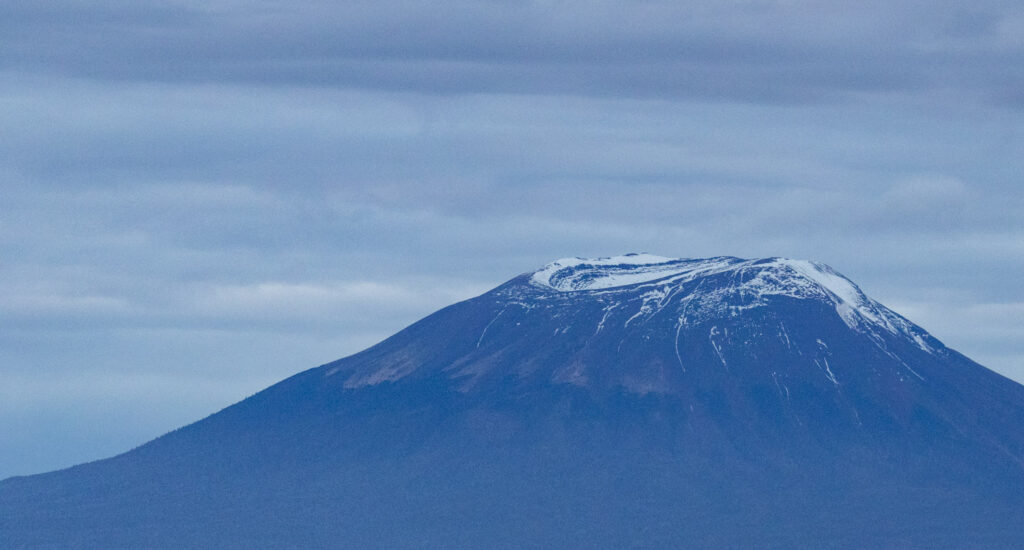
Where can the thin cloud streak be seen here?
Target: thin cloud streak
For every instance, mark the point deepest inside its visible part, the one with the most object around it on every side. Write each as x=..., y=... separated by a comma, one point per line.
x=760, y=52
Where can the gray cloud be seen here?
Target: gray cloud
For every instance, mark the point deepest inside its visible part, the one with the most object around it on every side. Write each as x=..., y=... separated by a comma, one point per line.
x=748, y=51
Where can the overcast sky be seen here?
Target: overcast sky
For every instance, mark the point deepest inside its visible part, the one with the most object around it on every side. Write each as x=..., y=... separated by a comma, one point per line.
x=198, y=199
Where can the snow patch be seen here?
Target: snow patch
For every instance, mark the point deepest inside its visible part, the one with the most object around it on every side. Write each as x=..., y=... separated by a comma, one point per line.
x=574, y=274
x=481, y=339
x=718, y=349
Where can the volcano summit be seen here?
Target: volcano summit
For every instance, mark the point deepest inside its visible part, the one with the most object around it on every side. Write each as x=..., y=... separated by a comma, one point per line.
x=634, y=401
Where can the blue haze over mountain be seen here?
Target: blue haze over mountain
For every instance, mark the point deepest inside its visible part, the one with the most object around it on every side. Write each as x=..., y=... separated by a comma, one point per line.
x=634, y=401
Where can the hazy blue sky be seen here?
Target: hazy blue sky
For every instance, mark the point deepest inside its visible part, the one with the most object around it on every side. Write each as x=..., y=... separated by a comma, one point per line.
x=198, y=199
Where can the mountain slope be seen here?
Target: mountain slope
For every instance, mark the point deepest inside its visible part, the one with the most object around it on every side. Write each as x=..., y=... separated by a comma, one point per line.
x=629, y=401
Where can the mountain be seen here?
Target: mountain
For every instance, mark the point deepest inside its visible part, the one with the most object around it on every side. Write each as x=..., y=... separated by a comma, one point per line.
x=627, y=402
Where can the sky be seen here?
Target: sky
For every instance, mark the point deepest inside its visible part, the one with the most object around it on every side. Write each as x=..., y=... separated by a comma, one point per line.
x=198, y=199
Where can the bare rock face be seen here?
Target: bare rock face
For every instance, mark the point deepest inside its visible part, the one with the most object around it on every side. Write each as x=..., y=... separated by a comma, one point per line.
x=634, y=401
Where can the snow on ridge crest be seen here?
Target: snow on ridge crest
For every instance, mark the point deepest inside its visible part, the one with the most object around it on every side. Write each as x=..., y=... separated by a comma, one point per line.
x=576, y=274
x=572, y=274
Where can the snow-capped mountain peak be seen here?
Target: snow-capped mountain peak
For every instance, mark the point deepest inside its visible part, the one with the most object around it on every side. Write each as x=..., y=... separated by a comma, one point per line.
x=681, y=315
x=740, y=284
